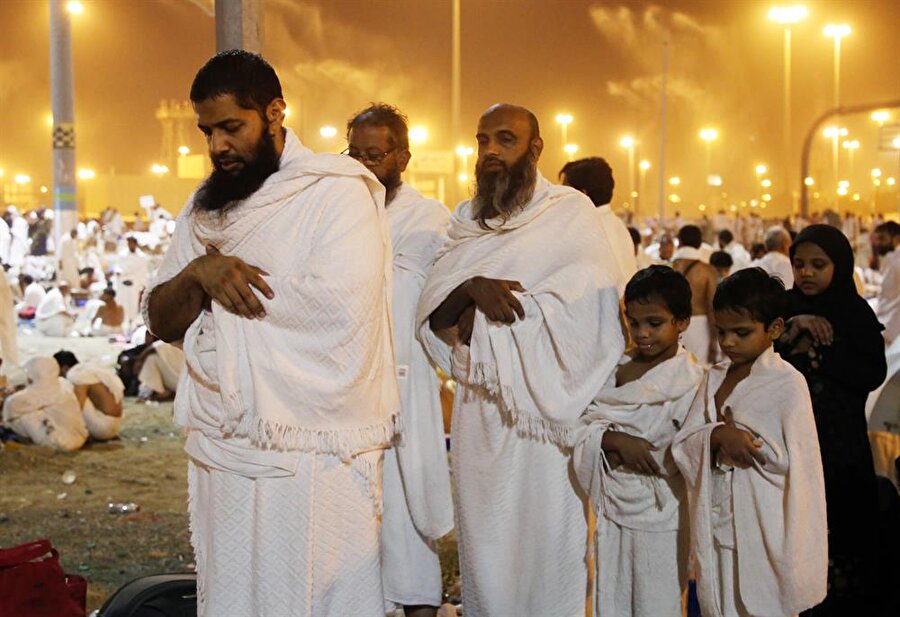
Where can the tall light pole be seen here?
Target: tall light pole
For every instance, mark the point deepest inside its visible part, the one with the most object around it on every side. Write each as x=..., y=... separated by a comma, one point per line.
x=787, y=16
x=837, y=32
x=834, y=133
x=708, y=135
x=62, y=96
x=851, y=146
x=643, y=166
x=456, y=87
x=628, y=143
x=564, y=120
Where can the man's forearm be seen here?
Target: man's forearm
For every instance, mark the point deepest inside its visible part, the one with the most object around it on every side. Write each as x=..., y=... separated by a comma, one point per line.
x=448, y=313
x=174, y=305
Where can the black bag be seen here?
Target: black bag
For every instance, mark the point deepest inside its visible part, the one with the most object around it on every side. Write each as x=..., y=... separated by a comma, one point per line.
x=159, y=595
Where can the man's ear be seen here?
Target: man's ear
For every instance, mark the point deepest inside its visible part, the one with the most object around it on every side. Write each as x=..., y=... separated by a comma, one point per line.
x=275, y=113
x=403, y=157
x=536, y=147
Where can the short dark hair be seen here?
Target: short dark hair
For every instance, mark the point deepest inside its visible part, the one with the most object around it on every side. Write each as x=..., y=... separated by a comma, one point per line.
x=65, y=358
x=725, y=236
x=382, y=114
x=27, y=278
x=891, y=228
x=635, y=235
x=109, y=291
x=663, y=283
x=245, y=75
x=721, y=259
x=690, y=235
x=751, y=291
x=593, y=176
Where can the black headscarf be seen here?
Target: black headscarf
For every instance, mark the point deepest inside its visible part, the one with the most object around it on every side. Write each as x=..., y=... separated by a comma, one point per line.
x=857, y=353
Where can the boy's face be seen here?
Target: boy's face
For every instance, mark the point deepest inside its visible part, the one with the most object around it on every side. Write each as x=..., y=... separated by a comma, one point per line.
x=742, y=338
x=653, y=327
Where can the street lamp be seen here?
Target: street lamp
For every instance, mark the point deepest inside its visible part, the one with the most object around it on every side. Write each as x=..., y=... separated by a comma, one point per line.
x=834, y=133
x=881, y=116
x=464, y=152
x=564, y=120
x=159, y=170
x=86, y=174
x=787, y=16
x=22, y=179
x=644, y=165
x=570, y=150
x=418, y=134
x=328, y=132
x=708, y=135
x=675, y=181
x=628, y=143
x=75, y=7
x=184, y=150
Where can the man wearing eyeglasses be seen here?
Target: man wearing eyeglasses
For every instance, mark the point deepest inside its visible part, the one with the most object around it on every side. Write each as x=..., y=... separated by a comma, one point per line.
x=417, y=504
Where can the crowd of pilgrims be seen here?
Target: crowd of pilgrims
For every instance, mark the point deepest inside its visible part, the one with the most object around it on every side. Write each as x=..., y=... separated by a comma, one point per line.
x=87, y=285
x=767, y=395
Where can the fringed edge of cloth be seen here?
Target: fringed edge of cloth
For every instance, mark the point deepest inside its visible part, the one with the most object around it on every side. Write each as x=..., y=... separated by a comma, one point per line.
x=343, y=443
x=199, y=554
x=527, y=424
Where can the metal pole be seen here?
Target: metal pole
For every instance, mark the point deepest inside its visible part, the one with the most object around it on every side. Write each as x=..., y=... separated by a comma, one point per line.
x=632, y=193
x=456, y=94
x=63, y=104
x=237, y=25
x=787, y=118
x=662, y=134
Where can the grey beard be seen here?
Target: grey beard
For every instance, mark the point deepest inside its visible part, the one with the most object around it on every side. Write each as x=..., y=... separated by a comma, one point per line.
x=505, y=193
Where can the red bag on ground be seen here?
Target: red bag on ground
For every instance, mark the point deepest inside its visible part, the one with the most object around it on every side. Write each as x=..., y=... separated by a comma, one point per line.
x=33, y=584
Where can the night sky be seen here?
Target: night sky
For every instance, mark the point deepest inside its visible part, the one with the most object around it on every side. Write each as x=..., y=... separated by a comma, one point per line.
x=599, y=61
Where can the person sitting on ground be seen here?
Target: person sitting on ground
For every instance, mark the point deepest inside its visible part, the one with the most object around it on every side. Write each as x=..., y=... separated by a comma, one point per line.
x=129, y=362
x=99, y=392
x=54, y=317
x=110, y=316
x=46, y=412
x=722, y=262
x=159, y=369
x=32, y=295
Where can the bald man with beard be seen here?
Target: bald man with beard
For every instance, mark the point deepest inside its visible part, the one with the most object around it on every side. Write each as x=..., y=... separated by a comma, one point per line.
x=521, y=307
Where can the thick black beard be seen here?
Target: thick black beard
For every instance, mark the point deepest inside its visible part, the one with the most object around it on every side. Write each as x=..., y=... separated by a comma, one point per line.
x=504, y=192
x=222, y=190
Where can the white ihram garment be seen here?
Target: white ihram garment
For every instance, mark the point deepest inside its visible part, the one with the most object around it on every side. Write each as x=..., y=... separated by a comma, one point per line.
x=9, y=346
x=100, y=425
x=162, y=370
x=758, y=535
x=133, y=276
x=67, y=261
x=19, y=242
x=33, y=295
x=52, y=317
x=777, y=264
x=5, y=242
x=888, y=310
x=46, y=411
x=287, y=415
x=521, y=522
x=621, y=245
x=641, y=558
x=418, y=507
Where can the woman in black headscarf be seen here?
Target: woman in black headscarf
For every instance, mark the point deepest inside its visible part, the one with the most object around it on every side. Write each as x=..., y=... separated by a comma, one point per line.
x=834, y=339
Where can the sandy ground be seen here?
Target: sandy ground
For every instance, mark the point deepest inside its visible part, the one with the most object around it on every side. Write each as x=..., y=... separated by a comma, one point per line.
x=147, y=466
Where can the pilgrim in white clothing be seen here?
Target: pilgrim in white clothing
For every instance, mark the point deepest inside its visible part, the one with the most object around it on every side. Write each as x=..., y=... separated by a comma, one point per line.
x=640, y=542
x=522, y=387
x=100, y=425
x=54, y=317
x=46, y=411
x=418, y=508
x=287, y=415
x=758, y=535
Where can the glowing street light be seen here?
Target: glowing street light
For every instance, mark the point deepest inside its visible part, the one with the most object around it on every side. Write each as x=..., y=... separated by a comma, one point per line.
x=418, y=134
x=876, y=173
x=628, y=142
x=464, y=152
x=22, y=179
x=787, y=16
x=159, y=170
x=891, y=181
x=184, y=150
x=675, y=181
x=570, y=150
x=86, y=174
x=766, y=183
x=709, y=134
x=809, y=181
x=644, y=165
x=881, y=116
x=564, y=120
x=75, y=7
x=2, y=172
x=851, y=146
x=761, y=169
x=44, y=189
x=895, y=143
x=834, y=133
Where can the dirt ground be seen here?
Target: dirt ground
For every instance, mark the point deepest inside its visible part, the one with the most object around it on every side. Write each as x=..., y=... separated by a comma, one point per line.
x=146, y=465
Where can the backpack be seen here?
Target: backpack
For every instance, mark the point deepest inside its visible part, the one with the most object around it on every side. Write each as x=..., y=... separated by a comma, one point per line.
x=158, y=595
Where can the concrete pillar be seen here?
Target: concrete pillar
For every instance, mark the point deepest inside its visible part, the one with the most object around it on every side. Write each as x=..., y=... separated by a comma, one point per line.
x=62, y=95
x=237, y=25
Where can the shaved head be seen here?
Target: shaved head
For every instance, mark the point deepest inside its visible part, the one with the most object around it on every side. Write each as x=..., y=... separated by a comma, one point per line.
x=515, y=111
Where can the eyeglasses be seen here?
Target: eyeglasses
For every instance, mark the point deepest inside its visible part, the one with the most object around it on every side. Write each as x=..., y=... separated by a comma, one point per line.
x=368, y=158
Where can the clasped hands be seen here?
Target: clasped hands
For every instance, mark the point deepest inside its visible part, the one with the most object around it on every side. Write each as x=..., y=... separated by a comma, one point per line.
x=735, y=446
x=230, y=281
x=494, y=298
